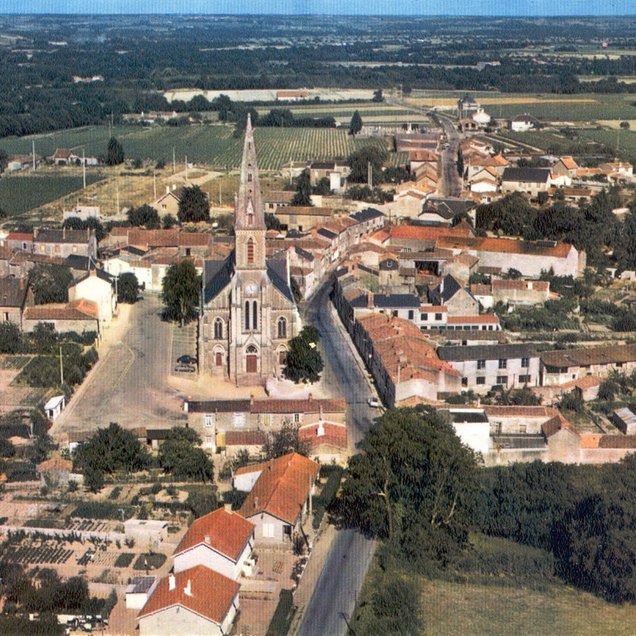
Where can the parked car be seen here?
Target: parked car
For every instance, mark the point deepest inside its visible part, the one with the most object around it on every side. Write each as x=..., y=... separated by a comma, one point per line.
x=374, y=403
x=186, y=359
x=185, y=368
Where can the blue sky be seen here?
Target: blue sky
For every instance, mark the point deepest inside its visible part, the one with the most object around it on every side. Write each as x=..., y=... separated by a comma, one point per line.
x=360, y=7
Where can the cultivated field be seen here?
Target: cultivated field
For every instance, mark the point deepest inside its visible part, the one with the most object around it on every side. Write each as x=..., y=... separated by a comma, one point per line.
x=213, y=145
x=21, y=193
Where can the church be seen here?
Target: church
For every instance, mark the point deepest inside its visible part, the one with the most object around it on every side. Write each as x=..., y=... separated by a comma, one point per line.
x=248, y=311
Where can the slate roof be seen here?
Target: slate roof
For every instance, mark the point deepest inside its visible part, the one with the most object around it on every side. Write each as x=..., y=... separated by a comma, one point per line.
x=441, y=294
x=277, y=273
x=216, y=277
x=526, y=175
x=589, y=355
x=366, y=215
x=62, y=236
x=323, y=231
x=486, y=352
x=219, y=406
x=13, y=291
x=140, y=584
x=75, y=261
x=98, y=273
x=465, y=416
x=388, y=301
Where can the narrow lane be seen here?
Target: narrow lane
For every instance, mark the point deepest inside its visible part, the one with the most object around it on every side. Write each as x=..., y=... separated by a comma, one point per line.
x=337, y=589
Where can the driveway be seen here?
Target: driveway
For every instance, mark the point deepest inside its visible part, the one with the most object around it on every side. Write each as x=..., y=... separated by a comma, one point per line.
x=130, y=383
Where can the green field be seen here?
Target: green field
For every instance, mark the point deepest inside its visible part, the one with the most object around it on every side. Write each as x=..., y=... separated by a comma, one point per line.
x=19, y=194
x=211, y=144
x=502, y=588
x=586, y=142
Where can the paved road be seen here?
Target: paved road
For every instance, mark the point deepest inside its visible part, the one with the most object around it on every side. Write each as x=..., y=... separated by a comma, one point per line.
x=451, y=181
x=337, y=588
x=130, y=384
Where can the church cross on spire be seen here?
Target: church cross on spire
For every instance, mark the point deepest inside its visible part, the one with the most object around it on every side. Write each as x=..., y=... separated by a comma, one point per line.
x=249, y=205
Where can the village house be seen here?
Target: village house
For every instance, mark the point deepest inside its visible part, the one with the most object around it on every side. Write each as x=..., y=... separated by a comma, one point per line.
x=80, y=316
x=531, y=258
x=484, y=367
x=327, y=441
x=168, y=203
x=15, y=296
x=208, y=418
x=403, y=363
x=194, y=601
x=222, y=541
x=62, y=156
x=528, y=180
x=522, y=123
x=336, y=172
x=96, y=286
x=512, y=293
x=276, y=199
x=302, y=218
x=561, y=366
x=457, y=299
x=279, y=496
x=64, y=242
x=465, y=106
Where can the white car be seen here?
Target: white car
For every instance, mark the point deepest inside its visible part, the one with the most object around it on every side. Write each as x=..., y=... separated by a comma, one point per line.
x=374, y=403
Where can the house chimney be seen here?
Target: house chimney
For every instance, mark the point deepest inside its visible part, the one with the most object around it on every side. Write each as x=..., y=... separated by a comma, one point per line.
x=255, y=502
x=369, y=300
x=167, y=189
x=172, y=582
x=227, y=507
x=187, y=590
x=207, y=538
x=174, y=187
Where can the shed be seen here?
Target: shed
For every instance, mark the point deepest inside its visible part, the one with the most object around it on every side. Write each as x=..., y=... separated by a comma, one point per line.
x=54, y=407
x=139, y=591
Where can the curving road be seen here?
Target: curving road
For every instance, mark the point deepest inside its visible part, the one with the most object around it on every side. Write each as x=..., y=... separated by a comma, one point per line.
x=336, y=591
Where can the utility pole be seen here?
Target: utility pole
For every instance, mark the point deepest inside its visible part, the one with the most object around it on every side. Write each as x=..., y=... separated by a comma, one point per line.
x=154, y=183
x=174, y=161
x=84, y=167
x=186, y=168
x=33, y=153
x=369, y=174
x=61, y=368
x=117, y=184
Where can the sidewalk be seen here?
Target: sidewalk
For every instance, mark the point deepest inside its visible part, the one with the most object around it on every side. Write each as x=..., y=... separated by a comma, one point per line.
x=312, y=573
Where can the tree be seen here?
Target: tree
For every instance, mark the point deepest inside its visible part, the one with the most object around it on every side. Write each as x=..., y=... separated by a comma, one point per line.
x=377, y=95
x=286, y=440
x=127, y=288
x=460, y=162
x=4, y=160
x=202, y=502
x=193, y=205
x=359, y=162
x=168, y=222
x=114, y=152
x=93, y=479
x=355, y=126
x=624, y=125
x=180, y=294
x=111, y=449
x=413, y=484
x=10, y=338
x=180, y=456
x=50, y=283
x=304, y=362
x=303, y=190
x=144, y=215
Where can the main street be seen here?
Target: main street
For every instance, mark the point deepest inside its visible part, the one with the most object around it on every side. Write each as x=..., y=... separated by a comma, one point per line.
x=336, y=591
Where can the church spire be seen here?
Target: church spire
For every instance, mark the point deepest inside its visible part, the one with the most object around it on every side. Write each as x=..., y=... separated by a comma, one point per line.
x=249, y=205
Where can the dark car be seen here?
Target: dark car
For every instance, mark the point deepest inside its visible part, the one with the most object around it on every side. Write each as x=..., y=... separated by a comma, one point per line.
x=185, y=359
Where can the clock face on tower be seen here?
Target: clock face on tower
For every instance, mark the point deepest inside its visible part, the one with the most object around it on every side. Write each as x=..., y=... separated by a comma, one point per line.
x=251, y=289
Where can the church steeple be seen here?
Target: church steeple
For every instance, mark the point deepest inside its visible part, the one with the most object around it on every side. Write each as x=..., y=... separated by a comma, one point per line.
x=249, y=205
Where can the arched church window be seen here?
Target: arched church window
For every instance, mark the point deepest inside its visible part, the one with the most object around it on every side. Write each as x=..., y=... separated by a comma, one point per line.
x=254, y=315
x=250, y=250
x=282, y=327
x=218, y=329
x=247, y=315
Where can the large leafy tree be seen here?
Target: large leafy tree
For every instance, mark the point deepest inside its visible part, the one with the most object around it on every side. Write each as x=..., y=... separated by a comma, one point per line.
x=359, y=162
x=127, y=288
x=114, y=152
x=109, y=450
x=304, y=361
x=180, y=455
x=181, y=287
x=303, y=190
x=50, y=283
x=284, y=441
x=193, y=206
x=144, y=215
x=413, y=484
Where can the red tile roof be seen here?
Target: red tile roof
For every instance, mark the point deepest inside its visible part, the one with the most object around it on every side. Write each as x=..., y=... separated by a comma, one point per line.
x=244, y=438
x=20, y=236
x=555, y=424
x=222, y=531
x=76, y=310
x=211, y=594
x=308, y=405
x=426, y=233
x=503, y=246
x=282, y=487
x=55, y=464
x=324, y=434
x=520, y=411
x=484, y=319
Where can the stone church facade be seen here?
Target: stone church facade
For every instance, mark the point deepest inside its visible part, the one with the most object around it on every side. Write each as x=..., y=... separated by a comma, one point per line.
x=248, y=309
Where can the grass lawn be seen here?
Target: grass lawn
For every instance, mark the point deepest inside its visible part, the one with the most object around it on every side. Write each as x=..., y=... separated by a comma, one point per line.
x=502, y=588
x=214, y=145
x=19, y=194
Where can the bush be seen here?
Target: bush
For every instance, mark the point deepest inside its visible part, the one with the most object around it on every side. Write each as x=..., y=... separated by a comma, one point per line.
x=149, y=561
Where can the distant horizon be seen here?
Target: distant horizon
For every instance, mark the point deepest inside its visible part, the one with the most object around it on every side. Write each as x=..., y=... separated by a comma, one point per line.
x=353, y=8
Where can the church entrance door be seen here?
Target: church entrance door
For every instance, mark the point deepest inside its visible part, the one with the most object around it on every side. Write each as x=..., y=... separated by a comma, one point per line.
x=251, y=365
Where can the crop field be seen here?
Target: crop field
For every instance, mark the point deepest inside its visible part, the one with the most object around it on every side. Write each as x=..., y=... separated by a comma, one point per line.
x=214, y=145
x=19, y=194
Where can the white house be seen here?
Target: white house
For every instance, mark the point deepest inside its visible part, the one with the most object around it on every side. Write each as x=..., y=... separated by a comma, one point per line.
x=54, y=407
x=472, y=427
x=96, y=286
x=481, y=117
x=191, y=603
x=280, y=496
x=221, y=541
